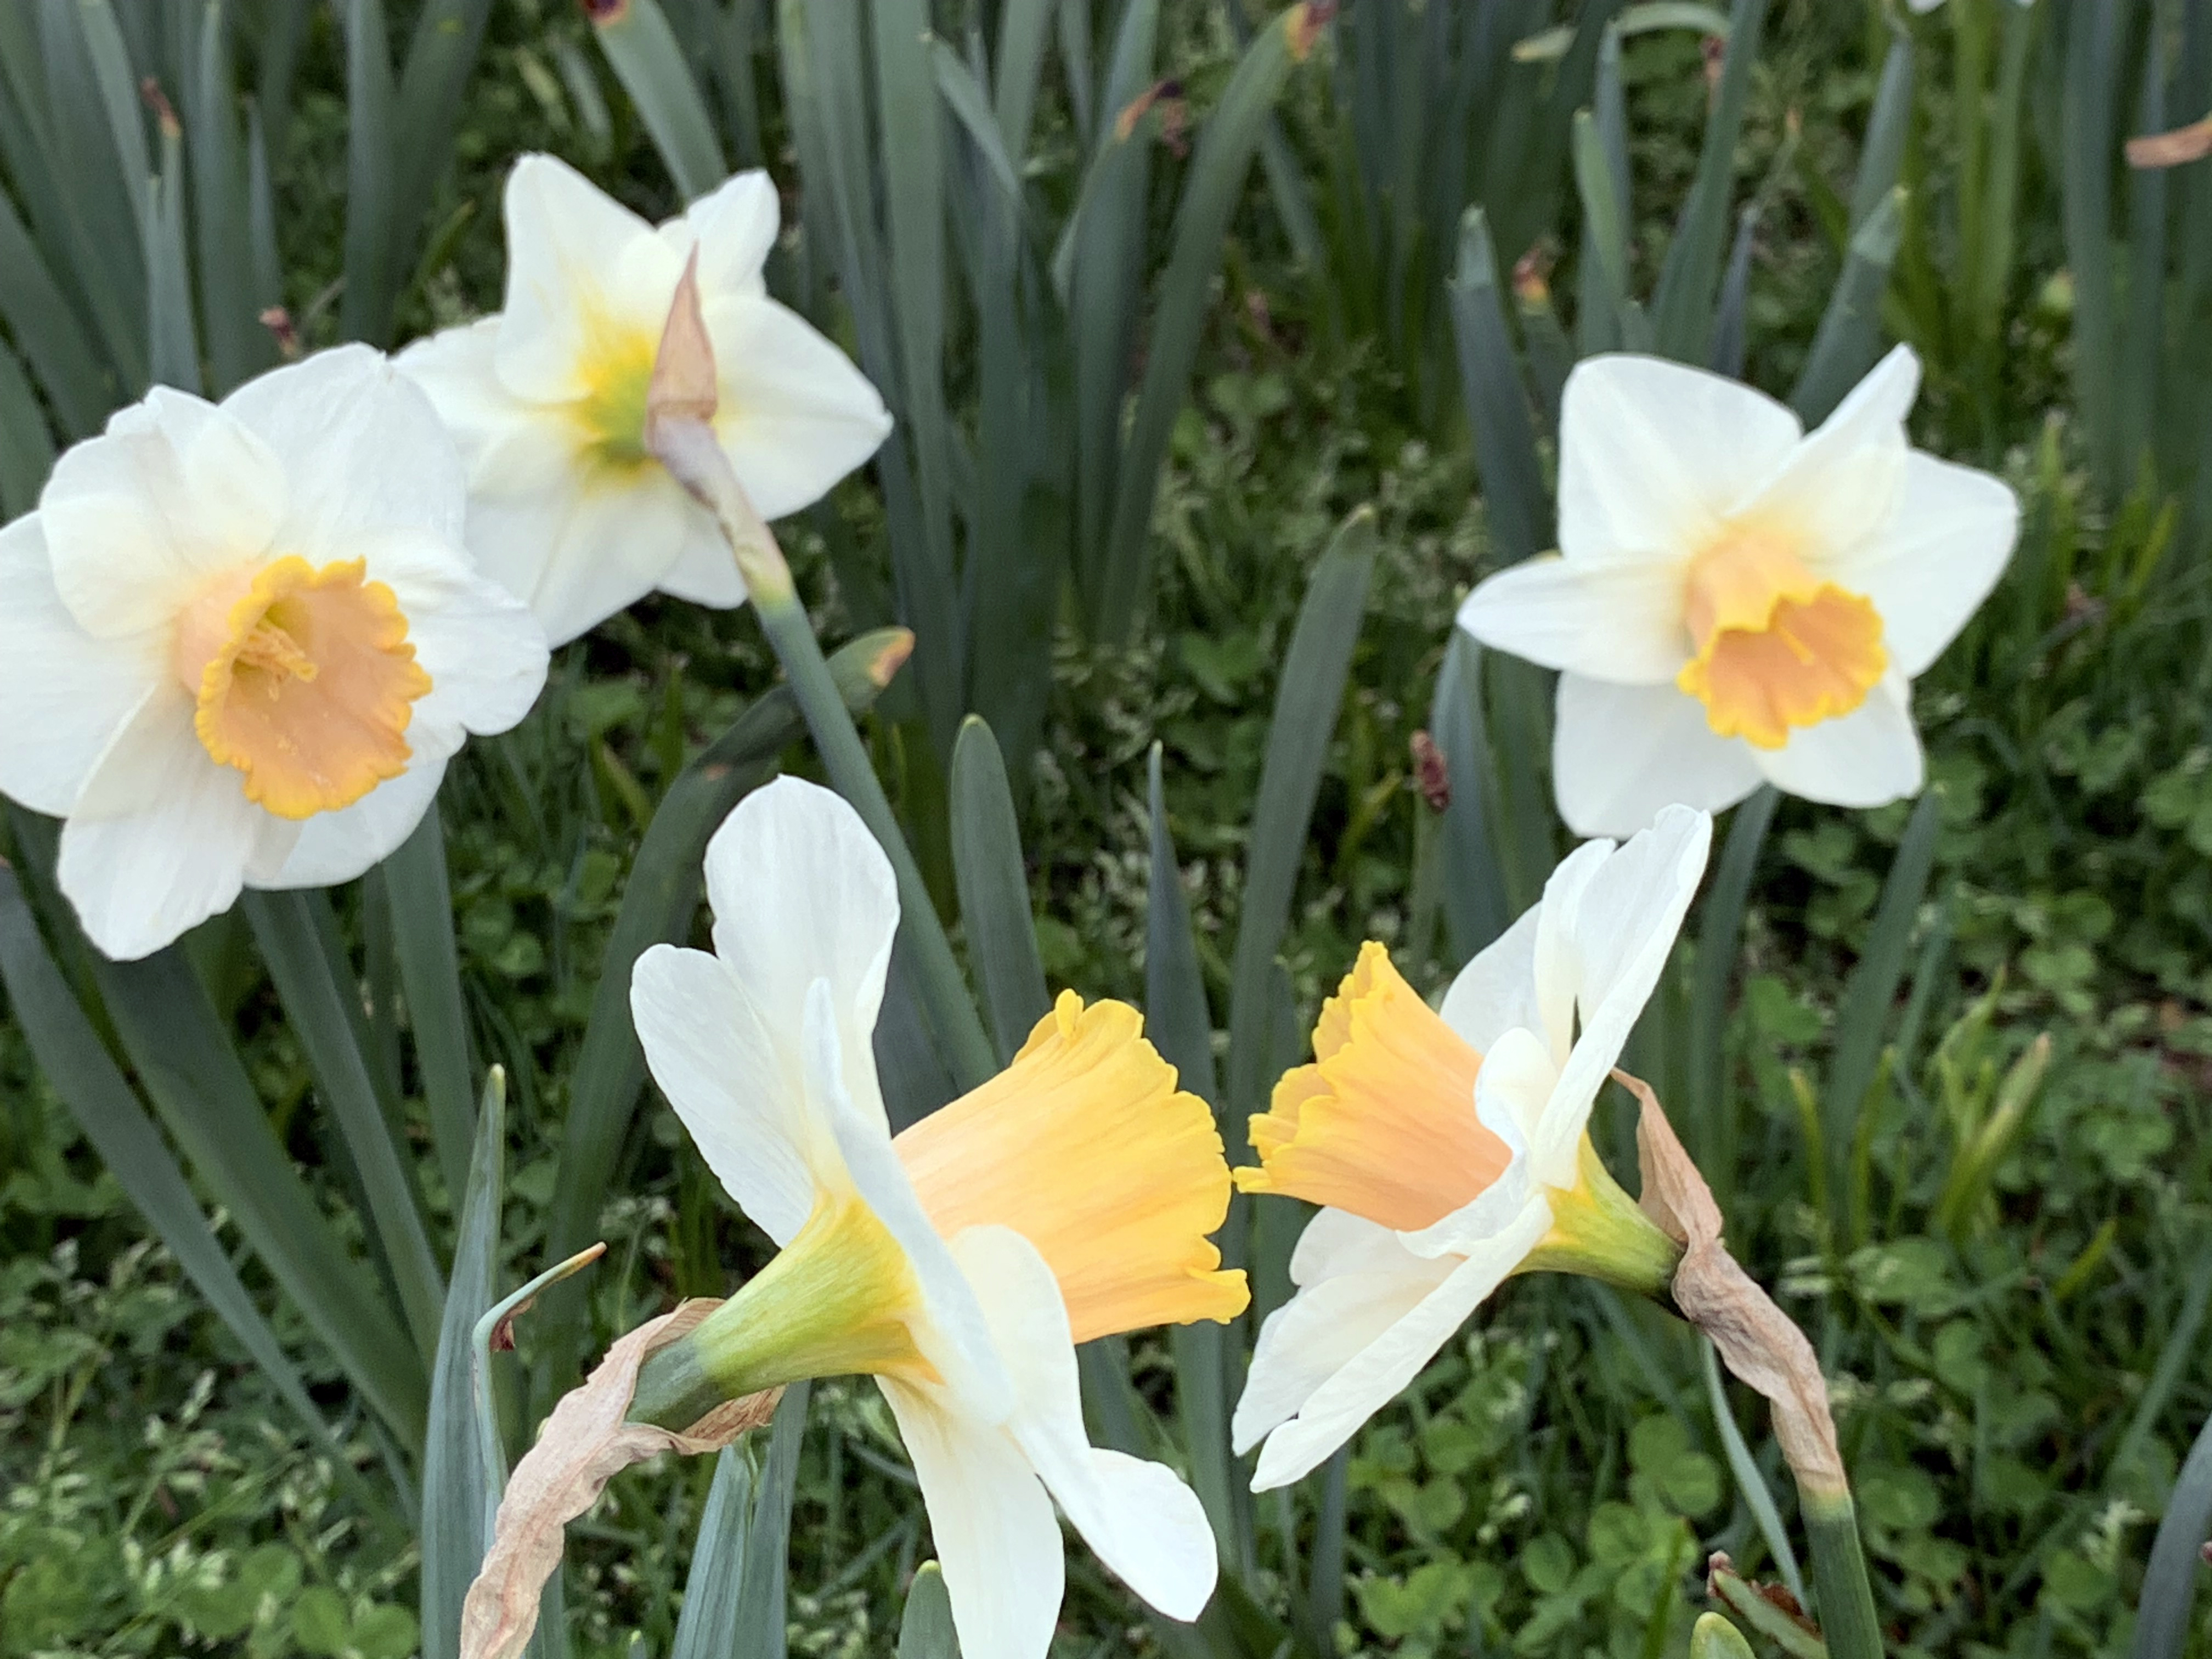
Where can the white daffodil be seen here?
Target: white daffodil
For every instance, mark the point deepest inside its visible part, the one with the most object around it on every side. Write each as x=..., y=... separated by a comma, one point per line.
x=1448, y=1150
x=1068, y=1198
x=1736, y=601
x=547, y=397
x=240, y=642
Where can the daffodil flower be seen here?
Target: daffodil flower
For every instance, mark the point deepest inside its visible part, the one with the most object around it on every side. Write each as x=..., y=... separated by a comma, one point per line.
x=240, y=642
x=1448, y=1150
x=547, y=397
x=1068, y=1198
x=1737, y=601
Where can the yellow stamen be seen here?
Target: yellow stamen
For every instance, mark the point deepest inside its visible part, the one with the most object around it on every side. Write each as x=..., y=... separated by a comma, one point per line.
x=1085, y=1146
x=1777, y=647
x=1382, y=1123
x=616, y=365
x=305, y=681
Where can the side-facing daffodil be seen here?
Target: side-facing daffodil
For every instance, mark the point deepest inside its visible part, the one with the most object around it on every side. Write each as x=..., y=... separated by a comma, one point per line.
x=958, y=1263
x=547, y=397
x=239, y=643
x=1448, y=1150
x=1736, y=600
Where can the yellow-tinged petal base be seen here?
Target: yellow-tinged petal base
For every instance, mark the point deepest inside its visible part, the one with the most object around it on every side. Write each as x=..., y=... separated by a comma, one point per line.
x=304, y=679
x=838, y=1300
x=617, y=368
x=1085, y=1147
x=1777, y=647
x=1599, y=1232
x=1382, y=1123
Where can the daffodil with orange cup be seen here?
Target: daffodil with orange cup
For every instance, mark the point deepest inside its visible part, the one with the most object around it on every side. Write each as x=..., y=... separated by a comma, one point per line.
x=1449, y=1150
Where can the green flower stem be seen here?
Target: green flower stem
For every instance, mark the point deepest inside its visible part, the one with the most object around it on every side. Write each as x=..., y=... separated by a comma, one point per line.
x=686, y=445
x=1848, y=1620
x=965, y=1046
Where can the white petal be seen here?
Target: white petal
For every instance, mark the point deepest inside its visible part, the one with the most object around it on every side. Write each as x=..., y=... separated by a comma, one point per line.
x=1337, y=1241
x=706, y=571
x=1840, y=485
x=801, y=891
x=954, y=1337
x=66, y=693
x=718, y=1065
x=335, y=846
x=1929, y=570
x=1621, y=752
x=1867, y=757
x=1622, y=926
x=1514, y=1086
x=734, y=229
x=136, y=519
x=581, y=551
x=512, y=448
x=483, y=651
x=1653, y=453
x=796, y=415
x=1319, y=1332
x=1137, y=1517
x=363, y=450
x=1496, y=990
x=992, y=1525
x=1382, y=1368
x=577, y=261
x=1556, y=964
x=160, y=838
x=1618, y=619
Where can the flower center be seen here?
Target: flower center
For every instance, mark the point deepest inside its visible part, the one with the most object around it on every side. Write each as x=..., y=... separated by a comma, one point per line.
x=1777, y=646
x=305, y=680
x=1085, y=1147
x=610, y=417
x=1382, y=1123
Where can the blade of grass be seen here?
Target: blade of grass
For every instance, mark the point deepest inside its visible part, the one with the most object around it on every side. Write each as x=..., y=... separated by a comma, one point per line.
x=1750, y=1483
x=995, y=890
x=70, y=1054
x=761, y=1620
x=2169, y=1590
x=285, y=928
x=454, y=1539
x=371, y=253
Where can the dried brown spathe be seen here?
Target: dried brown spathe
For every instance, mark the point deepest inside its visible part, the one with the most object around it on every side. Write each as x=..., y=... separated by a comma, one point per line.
x=584, y=1444
x=1756, y=1339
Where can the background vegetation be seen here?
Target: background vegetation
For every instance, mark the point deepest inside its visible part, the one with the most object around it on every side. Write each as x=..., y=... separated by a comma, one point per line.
x=2003, y=1260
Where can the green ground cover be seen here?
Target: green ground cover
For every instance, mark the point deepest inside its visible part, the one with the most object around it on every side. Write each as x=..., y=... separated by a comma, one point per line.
x=2006, y=1273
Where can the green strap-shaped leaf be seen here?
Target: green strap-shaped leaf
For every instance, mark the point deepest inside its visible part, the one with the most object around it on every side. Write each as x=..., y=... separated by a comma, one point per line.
x=2169, y=1588
x=1516, y=508
x=1864, y=1014
x=926, y=1627
x=1022, y=30
x=421, y=901
x=315, y=999
x=1682, y=307
x=454, y=1539
x=41, y=323
x=1729, y=316
x=238, y=347
x=1307, y=703
x=1212, y=190
x=69, y=1052
x=1474, y=884
x=2090, y=137
x=440, y=59
x=647, y=60
x=372, y=274
x=762, y=1629
x=714, y=1587
x=995, y=890
x=1720, y=943
x=27, y=448
x=172, y=336
x=1750, y=1483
